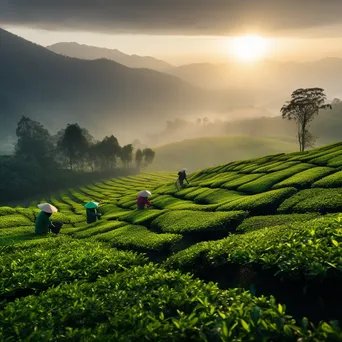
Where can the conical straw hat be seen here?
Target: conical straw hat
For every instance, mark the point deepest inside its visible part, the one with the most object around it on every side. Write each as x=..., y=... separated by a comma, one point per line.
x=47, y=208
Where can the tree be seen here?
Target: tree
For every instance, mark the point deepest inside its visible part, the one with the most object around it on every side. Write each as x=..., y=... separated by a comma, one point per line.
x=109, y=149
x=303, y=106
x=126, y=154
x=138, y=158
x=73, y=144
x=148, y=154
x=34, y=143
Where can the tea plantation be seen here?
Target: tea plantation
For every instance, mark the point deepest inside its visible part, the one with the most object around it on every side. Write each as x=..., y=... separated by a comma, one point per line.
x=248, y=251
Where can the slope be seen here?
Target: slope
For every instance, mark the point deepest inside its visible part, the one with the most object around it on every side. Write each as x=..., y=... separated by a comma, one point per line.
x=201, y=152
x=82, y=51
x=57, y=89
x=268, y=225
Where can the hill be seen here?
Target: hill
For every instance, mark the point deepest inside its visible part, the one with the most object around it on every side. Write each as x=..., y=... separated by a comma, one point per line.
x=82, y=51
x=197, y=153
x=268, y=225
x=101, y=94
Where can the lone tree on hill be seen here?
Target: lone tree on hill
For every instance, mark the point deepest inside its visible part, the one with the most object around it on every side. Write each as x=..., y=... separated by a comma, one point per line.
x=303, y=106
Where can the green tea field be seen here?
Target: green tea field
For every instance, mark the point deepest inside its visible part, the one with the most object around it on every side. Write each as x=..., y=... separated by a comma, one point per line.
x=248, y=251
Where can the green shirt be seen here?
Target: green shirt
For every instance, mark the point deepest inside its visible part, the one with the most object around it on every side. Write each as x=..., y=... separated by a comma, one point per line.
x=42, y=223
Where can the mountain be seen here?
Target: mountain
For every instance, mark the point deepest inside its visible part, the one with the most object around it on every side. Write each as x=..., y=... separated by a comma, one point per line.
x=90, y=52
x=102, y=95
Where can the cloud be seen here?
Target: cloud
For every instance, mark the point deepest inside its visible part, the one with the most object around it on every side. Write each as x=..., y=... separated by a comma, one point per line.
x=186, y=17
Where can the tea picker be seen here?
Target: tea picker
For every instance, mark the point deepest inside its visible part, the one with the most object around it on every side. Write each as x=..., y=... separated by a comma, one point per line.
x=92, y=212
x=43, y=225
x=181, y=178
x=143, y=199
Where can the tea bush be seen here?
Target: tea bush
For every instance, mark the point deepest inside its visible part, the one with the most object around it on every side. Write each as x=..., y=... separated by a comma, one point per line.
x=311, y=250
x=266, y=182
x=170, y=306
x=305, y=179
x=198, y=222
x=236, y=183
x=313, y=200
x=331, y=181
x=73, y=259
x=259, y=222
x=260, y=204
x=139, y=238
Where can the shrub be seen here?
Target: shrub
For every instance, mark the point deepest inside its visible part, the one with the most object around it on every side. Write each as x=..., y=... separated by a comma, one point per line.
x=149, y=303
x=324, y=159
x=183, y=222
x=4, y=211
x=278, y=166
x=264, y=203
x=259, y=222
x=236, y=183
x=139, y=238
x=331, y=181
x=266, y=182
x=98, y=229
x=217, y=196
x=311, y=250
x=314, y=200
x=73, y=259
x=14, y=220
x=304, y=179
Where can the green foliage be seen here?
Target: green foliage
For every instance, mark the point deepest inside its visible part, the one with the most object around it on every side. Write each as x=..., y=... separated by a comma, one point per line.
x=310, y=250
x=260, y=204
x=170, y=307
x=331, y=181
x=236, y=183
x=139, y=238
x=73, y=259
x=304, y=179
x=15, y=220
x=217, y=196
x=259, y=222
x=266, y=182
x=198, y=222
x=313, y=200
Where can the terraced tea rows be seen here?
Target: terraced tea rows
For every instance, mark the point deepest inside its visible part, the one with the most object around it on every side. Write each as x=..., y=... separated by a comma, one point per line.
x=269, y=225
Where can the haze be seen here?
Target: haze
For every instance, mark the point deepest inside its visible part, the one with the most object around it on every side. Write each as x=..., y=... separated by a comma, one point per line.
x=244, y=59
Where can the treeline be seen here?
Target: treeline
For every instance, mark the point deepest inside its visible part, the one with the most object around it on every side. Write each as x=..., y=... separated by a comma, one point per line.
x=42, y=162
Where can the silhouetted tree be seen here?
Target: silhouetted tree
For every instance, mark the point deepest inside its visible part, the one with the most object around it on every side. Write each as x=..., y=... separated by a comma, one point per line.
x=148, y=154
x=138, y=158
x=303, y=106
x=126, y=154
x=73, y=144
x=34, y=143
x=109, y=149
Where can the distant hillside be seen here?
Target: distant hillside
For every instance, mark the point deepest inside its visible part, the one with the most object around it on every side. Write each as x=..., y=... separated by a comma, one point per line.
x=90, y=52
x=102, y=95
x=195, y=154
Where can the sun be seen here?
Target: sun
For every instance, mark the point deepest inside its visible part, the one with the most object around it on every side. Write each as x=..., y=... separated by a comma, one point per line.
x=249, y=48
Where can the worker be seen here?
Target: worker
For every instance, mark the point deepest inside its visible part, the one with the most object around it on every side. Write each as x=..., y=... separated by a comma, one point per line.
x=182, y=178
x=92, y=212
x=43, y=224
x=143, y=199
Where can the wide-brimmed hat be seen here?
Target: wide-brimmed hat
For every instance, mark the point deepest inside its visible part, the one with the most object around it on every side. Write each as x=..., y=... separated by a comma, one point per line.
x=91, y=205
x=144, y=193
x=47, y=208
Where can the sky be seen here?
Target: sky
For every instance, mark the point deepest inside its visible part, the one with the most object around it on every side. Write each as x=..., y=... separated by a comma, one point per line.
x=182, y=31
